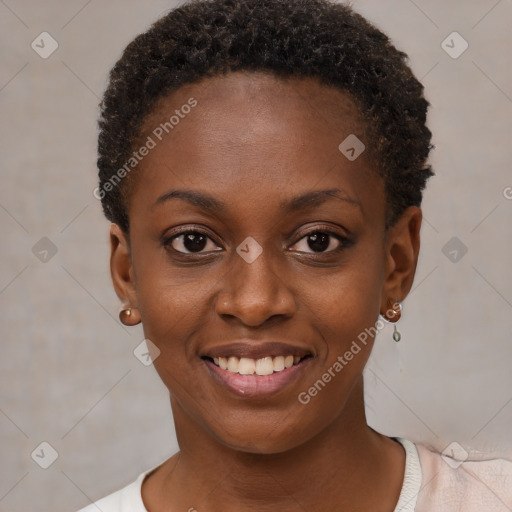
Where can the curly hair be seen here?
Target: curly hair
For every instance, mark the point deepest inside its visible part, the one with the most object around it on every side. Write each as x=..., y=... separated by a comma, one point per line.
x=289, y=38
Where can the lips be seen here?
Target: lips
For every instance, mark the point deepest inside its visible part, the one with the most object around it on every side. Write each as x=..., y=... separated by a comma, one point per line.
x=251, y=369
x=253, y=350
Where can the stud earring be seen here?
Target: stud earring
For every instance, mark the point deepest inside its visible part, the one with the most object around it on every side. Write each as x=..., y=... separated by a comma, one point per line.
x=129, y=316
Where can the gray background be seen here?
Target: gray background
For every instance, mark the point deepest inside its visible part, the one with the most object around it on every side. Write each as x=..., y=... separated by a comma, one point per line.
x=68, y=374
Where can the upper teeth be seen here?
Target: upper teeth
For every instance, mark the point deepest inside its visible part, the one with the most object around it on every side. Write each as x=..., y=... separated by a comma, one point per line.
x=263, y=366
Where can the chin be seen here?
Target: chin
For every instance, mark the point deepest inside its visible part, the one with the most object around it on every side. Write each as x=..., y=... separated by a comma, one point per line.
x=262, y=438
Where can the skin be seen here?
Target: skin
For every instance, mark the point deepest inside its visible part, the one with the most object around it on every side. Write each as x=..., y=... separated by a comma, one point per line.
x=276, y=453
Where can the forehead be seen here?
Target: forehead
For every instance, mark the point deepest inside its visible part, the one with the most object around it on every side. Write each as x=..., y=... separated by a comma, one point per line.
x=254, y=132
x=295, y=101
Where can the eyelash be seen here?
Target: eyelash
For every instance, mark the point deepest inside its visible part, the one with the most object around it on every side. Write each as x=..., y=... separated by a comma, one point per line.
x=344, y=241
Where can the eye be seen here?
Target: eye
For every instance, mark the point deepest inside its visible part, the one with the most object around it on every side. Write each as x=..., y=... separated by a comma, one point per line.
x=321, y=240
x=195, y=241
x=190, y=241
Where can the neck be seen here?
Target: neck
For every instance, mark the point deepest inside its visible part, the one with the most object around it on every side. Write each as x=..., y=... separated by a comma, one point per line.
x=348, y=465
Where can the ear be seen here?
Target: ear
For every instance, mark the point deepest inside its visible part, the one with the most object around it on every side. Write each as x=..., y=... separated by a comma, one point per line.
x=402, y=250
x=121, y=268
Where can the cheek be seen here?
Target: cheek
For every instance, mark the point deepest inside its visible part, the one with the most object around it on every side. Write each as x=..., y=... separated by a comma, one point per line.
x=171, y=314
x=173, y=307
x=347, y=302
x=346, y=311
x=347, y=318
x=168, y=296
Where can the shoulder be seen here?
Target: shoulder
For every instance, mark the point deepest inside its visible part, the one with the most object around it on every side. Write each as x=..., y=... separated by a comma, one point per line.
x=458, y=483
x=110, y=503
x=127, y=499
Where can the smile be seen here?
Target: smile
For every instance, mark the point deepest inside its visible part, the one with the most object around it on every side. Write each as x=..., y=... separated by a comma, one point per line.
x=263, y=366
x=256, y=369
x=256, y=378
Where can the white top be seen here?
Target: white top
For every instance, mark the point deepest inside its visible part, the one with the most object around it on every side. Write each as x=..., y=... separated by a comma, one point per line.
x=432, y=483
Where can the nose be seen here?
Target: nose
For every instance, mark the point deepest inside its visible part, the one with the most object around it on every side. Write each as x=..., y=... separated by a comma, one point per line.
x=254, y=292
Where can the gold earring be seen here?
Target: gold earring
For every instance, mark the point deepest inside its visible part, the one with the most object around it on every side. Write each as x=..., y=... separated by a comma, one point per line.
x=129, y=316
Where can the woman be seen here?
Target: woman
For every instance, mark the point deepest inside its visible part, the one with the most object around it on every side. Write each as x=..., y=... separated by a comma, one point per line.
x=262, y=163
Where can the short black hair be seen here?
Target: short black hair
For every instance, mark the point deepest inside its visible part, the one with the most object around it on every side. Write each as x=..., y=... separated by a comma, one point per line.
x=304, y=38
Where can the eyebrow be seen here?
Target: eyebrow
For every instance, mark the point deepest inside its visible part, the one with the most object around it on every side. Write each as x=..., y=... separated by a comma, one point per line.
x=302, y=202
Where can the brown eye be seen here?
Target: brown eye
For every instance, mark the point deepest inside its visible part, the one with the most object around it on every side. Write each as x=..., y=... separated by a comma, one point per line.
x=320, y=241
x=191, y=242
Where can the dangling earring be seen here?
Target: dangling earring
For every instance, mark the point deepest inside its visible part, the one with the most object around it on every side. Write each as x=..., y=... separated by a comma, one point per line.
x=129, y=316
x=392, y=315
x=396, y=335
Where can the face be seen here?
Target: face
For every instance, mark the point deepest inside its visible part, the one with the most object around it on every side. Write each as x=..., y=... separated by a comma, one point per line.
x=257, y=245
